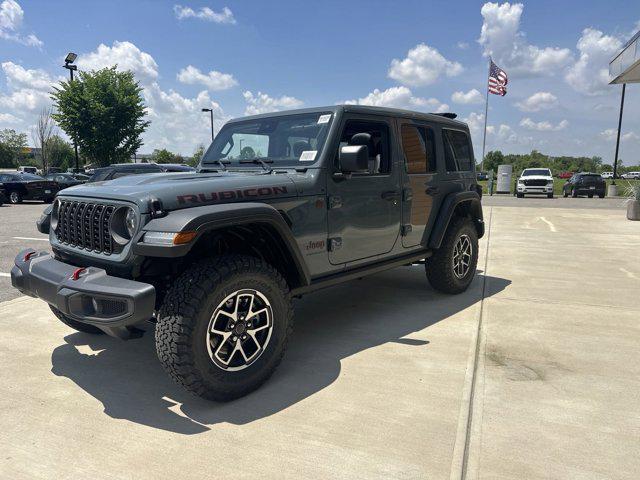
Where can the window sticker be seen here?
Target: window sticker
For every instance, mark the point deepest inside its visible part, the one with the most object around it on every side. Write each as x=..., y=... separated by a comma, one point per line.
x=308, y=156
x=324, y=118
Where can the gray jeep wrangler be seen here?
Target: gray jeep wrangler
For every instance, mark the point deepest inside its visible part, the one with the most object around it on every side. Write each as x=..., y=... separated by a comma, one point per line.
x=282, y=204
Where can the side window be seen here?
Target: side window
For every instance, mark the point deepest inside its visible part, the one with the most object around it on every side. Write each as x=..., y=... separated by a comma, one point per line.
x=419, y=149
x=375, y=135
x=457, y=151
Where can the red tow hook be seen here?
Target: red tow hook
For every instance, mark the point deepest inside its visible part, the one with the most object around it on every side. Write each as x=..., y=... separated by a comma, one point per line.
x=77, y=272
x=28, y=256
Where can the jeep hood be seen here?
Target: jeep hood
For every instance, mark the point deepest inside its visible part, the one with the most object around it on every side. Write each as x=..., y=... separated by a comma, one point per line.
x=184, y=190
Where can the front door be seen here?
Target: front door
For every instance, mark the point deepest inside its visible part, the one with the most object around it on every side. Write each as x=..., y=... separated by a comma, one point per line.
x=364, y=210
x=423, y=190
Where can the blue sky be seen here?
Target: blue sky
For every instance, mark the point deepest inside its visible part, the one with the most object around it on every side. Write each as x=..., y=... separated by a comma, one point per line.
x=249, y=56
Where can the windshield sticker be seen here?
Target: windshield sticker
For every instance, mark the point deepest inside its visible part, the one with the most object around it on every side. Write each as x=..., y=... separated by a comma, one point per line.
x=308, y=156
x=324, y=118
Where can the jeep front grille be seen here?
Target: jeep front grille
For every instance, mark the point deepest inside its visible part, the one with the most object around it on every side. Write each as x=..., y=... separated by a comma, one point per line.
x=85, y=225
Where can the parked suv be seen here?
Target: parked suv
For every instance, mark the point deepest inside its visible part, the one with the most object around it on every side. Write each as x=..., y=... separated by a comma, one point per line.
x=589, y=184
x=535, y=180
x=631, y=176
x=282, y=204
x=118, y=170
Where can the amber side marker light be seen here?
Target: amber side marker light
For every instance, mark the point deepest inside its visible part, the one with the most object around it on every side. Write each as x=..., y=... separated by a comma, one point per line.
x=183, y=237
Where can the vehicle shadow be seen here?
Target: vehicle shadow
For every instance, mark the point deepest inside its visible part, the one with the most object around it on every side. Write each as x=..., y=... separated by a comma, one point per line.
x=331, y=325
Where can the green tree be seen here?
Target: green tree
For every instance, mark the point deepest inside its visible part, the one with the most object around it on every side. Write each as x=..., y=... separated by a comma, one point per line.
x=61, y=153
x=492, y=160
x=12, y=145
x=103, y=112
x=197, y=156
x=164, y=156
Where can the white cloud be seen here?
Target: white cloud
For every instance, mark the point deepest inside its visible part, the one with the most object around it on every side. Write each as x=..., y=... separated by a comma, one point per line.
x=11, y=17
x=423, y=66
x=462, y=45
x=610, y=134
x=502, y=39
x=263, y=103
x=20, y=77
x=590, y=74
x=468, y=98
x=124, y=54
x=8, y=118
x=538, y=101
x=400, y=97
x=213, y=80
x=205, y=13
x=24, y=100
x=543, y=126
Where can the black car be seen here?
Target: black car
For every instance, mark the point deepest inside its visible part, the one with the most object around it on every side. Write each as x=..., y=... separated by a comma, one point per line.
x=588, y=184
x=65, y=180
x=122, y=170
x=26, y=186
x=3, y=197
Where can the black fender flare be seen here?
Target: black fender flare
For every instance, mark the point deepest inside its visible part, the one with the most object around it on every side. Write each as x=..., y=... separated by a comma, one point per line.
x=473, y=206
x=212, y=217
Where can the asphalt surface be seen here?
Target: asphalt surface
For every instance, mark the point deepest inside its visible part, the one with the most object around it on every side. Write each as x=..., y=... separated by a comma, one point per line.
x=17, y=232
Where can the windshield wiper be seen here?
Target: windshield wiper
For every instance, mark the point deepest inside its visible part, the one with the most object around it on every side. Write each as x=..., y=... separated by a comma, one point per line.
x=259, y=161
x=222, y=163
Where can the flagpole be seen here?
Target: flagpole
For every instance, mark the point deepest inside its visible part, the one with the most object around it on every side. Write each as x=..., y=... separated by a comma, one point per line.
x=486, y=114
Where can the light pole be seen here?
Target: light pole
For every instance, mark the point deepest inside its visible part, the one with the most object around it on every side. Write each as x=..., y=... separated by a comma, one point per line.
x=210, y=110
x=68, y=64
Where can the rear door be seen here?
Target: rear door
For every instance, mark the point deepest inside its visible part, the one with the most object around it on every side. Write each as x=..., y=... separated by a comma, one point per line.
x=422, y=193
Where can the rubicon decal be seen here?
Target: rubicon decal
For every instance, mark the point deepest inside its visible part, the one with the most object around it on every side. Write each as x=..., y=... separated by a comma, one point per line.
x=232, y=195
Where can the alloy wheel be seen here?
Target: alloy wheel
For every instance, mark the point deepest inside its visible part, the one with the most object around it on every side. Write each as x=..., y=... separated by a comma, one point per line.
x=462, y=253
x=239, y=330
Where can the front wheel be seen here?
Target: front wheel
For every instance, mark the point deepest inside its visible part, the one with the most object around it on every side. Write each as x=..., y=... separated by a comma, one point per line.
x=224, y=326
x=452, y=267
x=15, y=197
x=520, y=195
x=549, y=195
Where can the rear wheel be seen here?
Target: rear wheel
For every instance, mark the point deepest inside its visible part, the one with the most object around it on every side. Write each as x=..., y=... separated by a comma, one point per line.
x=224, y=326
x=79, y=326
x=453, y=265
x=15, y=197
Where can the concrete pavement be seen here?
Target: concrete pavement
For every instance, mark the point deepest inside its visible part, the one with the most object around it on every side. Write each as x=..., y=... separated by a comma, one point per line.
x=532, y=373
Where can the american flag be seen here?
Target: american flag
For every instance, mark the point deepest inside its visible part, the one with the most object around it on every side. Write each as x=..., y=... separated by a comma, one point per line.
x=497, y=80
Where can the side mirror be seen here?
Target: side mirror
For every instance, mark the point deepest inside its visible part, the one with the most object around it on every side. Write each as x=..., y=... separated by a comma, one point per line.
x=354, y=158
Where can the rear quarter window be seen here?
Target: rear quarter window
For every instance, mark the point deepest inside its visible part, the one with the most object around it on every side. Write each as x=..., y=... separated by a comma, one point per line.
x=457, y=151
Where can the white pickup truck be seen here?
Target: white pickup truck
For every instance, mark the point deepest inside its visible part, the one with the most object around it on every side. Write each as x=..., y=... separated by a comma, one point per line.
x=535, y=180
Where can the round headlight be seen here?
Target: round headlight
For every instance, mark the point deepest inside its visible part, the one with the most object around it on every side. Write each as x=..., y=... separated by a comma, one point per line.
x=131, y=222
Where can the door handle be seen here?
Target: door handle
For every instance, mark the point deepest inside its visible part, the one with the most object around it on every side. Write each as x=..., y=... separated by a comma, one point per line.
x=391, y=195
x=432, y=190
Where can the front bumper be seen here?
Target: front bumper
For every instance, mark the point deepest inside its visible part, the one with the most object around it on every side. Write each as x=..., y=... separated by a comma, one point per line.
x=531, y=189
x=89, y=296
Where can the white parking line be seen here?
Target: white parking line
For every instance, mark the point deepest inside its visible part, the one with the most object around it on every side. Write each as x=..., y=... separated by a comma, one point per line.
x=41, y=239
x=551, y=226
x=2, y=274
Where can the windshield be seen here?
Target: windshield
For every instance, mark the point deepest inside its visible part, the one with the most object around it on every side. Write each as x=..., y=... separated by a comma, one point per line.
x=537, y=171
x=30, y=176
x=286, y=140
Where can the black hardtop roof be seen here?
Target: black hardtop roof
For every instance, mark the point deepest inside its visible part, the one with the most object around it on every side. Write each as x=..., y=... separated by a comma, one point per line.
x=360, y=109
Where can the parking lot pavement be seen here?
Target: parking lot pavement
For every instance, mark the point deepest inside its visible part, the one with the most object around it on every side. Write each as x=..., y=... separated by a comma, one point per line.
x=383, y=379
x=17, y=231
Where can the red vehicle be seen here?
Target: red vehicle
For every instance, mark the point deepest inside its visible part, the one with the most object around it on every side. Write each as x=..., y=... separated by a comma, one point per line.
x=565, y=175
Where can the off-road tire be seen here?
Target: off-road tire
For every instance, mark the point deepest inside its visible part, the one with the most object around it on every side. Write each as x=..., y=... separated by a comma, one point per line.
x=79, y=326
x=183, y=320
x=439, y=266
x=15, y=197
